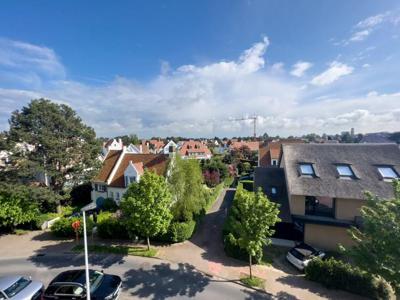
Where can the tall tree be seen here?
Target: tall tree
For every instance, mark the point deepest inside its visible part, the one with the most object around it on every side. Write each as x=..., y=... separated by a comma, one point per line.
x=253, y=217
x=146, y=206
x=63, y=147
x=377, y=248
x=186, y=185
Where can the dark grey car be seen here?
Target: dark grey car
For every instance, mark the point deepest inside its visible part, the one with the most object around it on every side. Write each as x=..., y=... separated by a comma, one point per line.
x=20, y=288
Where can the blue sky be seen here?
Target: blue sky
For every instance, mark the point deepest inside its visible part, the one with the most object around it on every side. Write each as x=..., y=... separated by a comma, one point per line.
x=159, y=68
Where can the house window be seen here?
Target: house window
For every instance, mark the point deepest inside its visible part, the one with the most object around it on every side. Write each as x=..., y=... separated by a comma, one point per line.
x=274, y=162
x=111, y=195
x=117, y=196
x=388, y=173
x=273, y=191
x=320, y=206
x=132, y=179
x=101, y=188
x=344, y=171
x=307, y=169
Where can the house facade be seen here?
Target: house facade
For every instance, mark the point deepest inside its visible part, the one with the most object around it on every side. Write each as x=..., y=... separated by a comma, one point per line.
x=194, y=149
x=121, y=168
x=325, y=186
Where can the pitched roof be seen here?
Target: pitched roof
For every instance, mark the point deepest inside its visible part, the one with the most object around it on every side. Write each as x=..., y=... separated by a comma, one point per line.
x=253, y=146
x=154, y=162
x=193, y=147
x=272, y=177
x=108, y=165
x=272, y=150
x=363, y=158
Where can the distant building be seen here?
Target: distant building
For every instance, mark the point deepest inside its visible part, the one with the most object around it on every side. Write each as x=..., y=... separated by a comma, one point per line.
x=194, y=149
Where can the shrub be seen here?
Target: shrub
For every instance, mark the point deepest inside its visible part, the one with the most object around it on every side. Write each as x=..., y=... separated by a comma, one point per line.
x=178, y=232
x=109, y=205
x=339, y=275
x=63, y=227
x=111, y=227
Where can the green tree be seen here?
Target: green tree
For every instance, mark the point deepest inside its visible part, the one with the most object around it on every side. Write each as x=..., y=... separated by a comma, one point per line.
x=64, y=148
x=186, y=185
x=16, y=206
x=253, y=218
x=146, y=206
x=378, y=241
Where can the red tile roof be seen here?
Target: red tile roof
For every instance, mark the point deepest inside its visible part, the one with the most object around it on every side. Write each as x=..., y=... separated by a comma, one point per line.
x=253, y=146
x=272, y=150
x=108, y=165
x=157, y=163
x=193, y=147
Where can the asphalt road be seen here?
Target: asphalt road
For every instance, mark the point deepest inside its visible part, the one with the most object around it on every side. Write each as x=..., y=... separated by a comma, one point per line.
x=143, y=278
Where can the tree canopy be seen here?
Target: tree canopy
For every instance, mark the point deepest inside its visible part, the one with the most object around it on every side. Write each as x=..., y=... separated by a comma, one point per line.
x=186, y=185
x=63, y=147
x=377, y=248
x=146, y=206
x=251, y=220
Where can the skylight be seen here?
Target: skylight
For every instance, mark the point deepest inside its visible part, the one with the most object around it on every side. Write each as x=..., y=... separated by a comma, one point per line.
x=307, y=169
x=388, y=172
x=345, y=171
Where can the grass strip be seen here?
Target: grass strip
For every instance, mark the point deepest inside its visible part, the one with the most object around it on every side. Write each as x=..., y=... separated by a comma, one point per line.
x=123, y=250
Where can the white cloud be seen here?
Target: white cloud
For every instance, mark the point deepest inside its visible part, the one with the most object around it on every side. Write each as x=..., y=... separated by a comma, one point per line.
x=300, y=68
x=194, y=100
x=335, y=71
x=360, y=35
x=365, y=27
x=19, y=55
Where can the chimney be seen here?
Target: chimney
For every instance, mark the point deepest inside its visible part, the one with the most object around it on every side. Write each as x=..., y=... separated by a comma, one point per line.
x=140, y=149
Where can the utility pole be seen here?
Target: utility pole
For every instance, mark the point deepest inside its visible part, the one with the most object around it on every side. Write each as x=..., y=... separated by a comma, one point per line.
x=254, y=119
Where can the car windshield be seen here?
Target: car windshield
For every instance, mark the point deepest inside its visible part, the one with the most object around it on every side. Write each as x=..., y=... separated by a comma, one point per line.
x=302, y=253
x=95, y=280
x=16, y=287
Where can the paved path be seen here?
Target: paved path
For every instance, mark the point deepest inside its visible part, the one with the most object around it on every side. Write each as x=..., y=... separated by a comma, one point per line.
x=205, y=251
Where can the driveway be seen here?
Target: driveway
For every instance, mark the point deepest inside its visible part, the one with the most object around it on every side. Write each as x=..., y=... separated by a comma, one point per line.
x=205, y=252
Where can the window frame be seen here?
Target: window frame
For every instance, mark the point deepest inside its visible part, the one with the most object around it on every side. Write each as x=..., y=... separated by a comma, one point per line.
x=311, y=165
x=352, y=175
x=391, y=168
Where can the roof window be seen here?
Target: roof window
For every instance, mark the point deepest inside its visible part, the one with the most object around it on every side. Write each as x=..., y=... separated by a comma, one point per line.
x=345, y=171
x=388, y=172
x=307, y=169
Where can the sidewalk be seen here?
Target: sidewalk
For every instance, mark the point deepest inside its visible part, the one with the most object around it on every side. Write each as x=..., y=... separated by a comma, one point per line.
x=205, y=252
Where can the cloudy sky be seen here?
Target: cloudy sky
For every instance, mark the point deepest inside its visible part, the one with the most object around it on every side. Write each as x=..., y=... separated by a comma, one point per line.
x=160, y=68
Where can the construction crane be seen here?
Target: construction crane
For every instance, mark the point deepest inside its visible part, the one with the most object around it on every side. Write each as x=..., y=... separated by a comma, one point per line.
x=253, y=118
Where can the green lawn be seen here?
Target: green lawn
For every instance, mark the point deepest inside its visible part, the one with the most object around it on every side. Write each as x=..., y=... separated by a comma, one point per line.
x=124, y=250
x=253, y=282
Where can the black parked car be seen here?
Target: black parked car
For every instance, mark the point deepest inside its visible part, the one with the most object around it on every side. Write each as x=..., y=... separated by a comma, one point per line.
x=72, y=285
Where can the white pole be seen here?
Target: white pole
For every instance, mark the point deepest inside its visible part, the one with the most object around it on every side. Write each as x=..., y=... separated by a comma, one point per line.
x=86, y=257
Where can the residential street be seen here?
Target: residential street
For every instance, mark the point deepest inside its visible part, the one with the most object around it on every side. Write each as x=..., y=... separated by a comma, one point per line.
x=143, y=278
x=174, y=275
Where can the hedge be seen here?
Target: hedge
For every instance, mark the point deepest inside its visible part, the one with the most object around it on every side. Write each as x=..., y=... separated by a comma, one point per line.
x=111, y=227
x=339, y=275
x=177, y=232
x=63, y=227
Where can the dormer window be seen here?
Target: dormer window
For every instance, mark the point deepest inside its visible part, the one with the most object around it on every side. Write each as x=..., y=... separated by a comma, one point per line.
x=345, y=171
x=307, y=169
x=388, y=172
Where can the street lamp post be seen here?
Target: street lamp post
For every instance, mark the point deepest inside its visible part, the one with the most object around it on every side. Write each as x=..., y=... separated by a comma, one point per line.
x=86, y=257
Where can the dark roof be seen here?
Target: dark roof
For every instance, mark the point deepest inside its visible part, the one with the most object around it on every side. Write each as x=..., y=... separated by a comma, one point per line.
x=363, y=158
x=270, y=177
